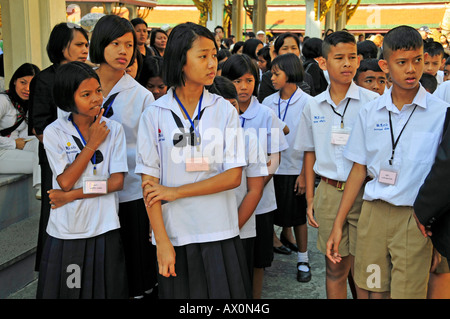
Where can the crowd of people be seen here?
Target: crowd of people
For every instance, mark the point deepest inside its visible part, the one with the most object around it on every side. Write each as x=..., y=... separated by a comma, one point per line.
x=164, y=161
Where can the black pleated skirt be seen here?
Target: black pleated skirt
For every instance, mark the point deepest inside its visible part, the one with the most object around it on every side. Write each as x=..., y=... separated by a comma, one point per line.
x=92, y=268
x=214, y=270
x=291, y=209
x=140, y=254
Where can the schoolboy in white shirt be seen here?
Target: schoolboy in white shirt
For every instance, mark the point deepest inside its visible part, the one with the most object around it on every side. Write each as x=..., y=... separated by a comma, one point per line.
x=324, y=128
x=394, y=141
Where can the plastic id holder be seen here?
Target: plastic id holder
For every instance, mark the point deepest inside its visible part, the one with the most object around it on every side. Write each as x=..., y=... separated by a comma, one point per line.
x=95, y=185
x=388, y=174
x=340, y=136
x=197, y=164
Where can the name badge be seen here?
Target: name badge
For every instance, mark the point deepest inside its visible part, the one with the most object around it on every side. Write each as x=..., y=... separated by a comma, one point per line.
x=95, y=185
x=197, y=164
x=339, y=136
x=388, y=175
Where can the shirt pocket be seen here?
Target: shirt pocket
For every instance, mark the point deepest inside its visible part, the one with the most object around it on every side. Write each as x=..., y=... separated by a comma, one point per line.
x=423, y=147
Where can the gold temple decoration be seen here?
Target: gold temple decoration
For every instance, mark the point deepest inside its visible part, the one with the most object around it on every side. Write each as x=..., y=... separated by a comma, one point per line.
x=325, y=6
x=248, y=9
x=351, y=9
x=205, y=8
x=340, y=7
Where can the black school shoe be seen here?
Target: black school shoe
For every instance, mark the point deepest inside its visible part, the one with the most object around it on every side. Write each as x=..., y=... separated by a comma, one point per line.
x=288, y=244
x=303, y=276
x=282, y=250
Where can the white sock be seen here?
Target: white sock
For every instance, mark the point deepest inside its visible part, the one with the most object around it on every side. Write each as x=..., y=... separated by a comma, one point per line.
x=303, y=257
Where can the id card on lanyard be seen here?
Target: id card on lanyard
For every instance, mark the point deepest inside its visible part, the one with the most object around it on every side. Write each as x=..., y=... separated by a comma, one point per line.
x=340, y=134
x=92, y=184
x=389, y=171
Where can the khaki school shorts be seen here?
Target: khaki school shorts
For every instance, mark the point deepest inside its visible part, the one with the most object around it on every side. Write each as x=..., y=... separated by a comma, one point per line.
x=391, y=253
x=326, y=204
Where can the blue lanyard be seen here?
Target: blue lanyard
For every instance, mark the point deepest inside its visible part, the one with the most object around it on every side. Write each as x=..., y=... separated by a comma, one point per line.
x=243, y=121
x=197, y=134
x=84, y=142
x=279, y=109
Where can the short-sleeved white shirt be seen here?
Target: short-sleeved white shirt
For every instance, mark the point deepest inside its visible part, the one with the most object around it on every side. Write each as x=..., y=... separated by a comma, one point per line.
x=254, y=168
x=128, y=107
x=315, y=128
x=263, y=122
x=370, y=144
x=200, y=218
x=88, y=217
x=443, y=91
x=291, y=159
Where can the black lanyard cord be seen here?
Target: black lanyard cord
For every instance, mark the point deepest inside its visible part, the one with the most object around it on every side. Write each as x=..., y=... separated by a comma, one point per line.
x=394, y=143
x=341, y=115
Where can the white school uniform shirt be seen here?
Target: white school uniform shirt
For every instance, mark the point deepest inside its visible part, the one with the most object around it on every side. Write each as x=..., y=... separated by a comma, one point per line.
x=8, y=117
x=128, y=107
x=89, y=217
x=370, y=144
x=443, y=91
x=291, y=159
x=200, y=218
x=263, y=122
x=440, y=77
x=315, y=127
x=254, y=168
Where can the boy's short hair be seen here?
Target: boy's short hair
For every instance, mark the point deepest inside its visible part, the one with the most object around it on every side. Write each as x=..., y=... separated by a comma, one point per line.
x=290, y=64
x=179, y=42
x=138, y=21
x=67, y=80
x=223, y=87
x=429, y=82
x=334, y=39
x=367, y=65
x=368, y=49
x=312, y=48
x=107, y=29
x=433, y=49
x=60, y=38
x=401, y=38
x=238, y=65
x=447, y=62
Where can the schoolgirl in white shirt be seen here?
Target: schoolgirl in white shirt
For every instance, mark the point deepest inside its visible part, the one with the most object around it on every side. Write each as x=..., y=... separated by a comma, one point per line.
x=249, y=193
x=289, y=180
x=190, y=157
x=263, y=122
x=113, y=47
x=87, y=155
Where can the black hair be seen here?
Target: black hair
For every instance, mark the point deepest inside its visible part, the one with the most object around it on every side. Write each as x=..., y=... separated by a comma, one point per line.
x=222, y=54
x=367, y=65
x=312, y=48
x=280, y=41
x=153, y=36
x=180, y=41
x=290, y=64
x=107, y=29
x=60, y=38
x=265, y=53
x=137, y=21
x=67, y=80
x=429, y=82
x=151, y=68
x=433, y=49
x=368, y=49
x=447, y=62
x=239, y=64
x=250, y=47
x=140, y=62
x=334, y=39
x=26, y=69
x=237, y=46
x=401, y=38
x=219, y=27
x=224, y=87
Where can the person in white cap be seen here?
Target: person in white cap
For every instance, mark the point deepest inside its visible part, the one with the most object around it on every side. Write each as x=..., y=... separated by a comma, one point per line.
x=261, y=35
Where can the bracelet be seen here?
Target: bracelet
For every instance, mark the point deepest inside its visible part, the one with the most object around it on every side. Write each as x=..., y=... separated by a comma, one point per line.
x=90, y=148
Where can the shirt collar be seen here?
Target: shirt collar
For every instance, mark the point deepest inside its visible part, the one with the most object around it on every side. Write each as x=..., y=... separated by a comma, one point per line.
x=352, y=93
x=252, y=109
x=297, y=95
x=169, y=102
x=386, y=100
